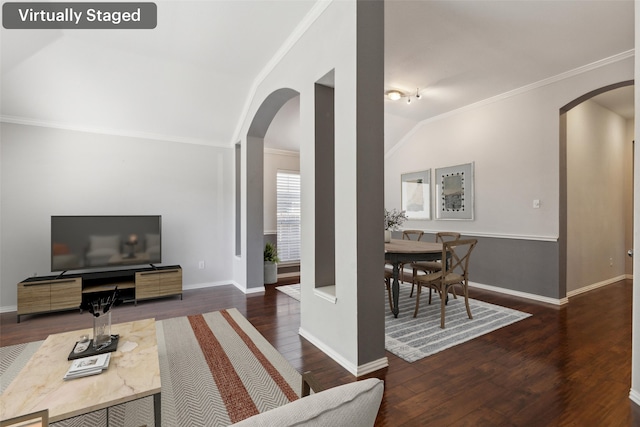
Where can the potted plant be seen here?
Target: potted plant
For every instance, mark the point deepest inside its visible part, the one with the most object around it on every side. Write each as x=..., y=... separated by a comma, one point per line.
x=393, y=219
x=271, y=261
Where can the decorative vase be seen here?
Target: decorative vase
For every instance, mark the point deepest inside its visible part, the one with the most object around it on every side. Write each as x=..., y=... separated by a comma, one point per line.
x=387, y=236
x=102, y=330
x=270, y=272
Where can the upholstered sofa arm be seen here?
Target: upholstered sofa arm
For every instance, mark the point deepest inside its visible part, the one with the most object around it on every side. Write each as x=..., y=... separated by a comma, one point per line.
x=353, y=405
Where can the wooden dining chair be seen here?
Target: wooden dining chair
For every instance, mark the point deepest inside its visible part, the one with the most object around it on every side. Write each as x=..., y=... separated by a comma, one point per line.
x=409, y=235
x=388, y=277
x=412, y=234
x=432, y=266
x=455, y=272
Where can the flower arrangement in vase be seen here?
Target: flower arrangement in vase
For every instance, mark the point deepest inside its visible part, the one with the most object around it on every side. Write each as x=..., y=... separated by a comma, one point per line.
x=393, y=219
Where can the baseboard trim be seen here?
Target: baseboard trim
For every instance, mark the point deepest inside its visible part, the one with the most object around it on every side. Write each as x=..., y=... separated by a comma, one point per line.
x=634, y=395
x=225, y=283
x=204, y=285
x=597, y=285
x=376, y=365
x=355, y=370
x=534, y=297
x=9, y=309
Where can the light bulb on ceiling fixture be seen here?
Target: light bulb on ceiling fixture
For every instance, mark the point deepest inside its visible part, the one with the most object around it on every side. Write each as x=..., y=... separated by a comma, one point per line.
x=394, y=95
x=408, y=100
x=418, y=96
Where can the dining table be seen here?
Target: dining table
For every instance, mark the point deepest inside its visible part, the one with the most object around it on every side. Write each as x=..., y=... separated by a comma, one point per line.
x=399, y=251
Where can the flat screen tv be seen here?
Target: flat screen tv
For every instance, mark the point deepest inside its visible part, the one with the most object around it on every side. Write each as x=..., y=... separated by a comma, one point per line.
x=88, y=242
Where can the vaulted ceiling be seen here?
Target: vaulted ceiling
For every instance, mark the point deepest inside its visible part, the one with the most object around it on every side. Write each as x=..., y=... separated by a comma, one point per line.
x=191, y=78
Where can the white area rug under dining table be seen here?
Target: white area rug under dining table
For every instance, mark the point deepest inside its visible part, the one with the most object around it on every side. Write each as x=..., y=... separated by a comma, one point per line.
x=415, y=338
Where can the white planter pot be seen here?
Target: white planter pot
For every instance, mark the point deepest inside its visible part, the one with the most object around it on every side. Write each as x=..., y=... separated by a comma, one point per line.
x=270, y=272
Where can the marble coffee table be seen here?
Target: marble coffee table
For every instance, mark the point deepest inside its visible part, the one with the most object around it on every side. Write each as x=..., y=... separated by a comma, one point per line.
x=133, y=373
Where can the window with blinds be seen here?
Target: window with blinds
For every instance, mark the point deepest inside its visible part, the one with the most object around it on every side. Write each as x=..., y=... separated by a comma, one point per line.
x=288, y=216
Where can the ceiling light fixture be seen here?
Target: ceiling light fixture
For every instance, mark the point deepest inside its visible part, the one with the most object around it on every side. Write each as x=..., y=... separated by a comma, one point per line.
x=395, y=95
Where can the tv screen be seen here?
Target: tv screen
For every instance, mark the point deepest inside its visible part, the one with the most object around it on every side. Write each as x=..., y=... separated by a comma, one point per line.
x=86, y=242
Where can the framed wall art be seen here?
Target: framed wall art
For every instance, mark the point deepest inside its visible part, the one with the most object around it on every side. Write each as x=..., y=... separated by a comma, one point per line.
x=416, y=194
x=454, y=189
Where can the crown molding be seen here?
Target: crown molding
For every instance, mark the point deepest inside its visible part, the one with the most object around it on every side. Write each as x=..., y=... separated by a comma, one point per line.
x=318, y=8
x=108, y=131
x=280, y=152
x=533, y=86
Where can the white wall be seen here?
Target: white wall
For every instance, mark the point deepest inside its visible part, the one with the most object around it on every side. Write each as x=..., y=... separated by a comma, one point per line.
x=274, y=161
x=598, y=197
x=513, y=141
x=329, y=43
x=49, y=171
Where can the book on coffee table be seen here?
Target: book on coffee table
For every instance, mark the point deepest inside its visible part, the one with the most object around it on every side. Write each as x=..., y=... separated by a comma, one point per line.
x=86, y=366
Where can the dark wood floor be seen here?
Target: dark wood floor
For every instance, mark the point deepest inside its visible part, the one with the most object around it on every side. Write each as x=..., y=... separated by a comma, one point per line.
x=568, y=366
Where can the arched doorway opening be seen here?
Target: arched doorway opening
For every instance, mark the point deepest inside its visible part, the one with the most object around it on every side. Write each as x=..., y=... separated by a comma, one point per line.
x=567, y=229
x=254, y=176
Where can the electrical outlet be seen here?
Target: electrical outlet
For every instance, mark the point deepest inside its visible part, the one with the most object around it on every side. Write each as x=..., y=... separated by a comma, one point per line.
x=610, y=262
x=201, y=265
x=536, y=204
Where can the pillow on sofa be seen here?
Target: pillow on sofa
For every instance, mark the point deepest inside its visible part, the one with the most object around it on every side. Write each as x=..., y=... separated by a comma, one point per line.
x=354, y=405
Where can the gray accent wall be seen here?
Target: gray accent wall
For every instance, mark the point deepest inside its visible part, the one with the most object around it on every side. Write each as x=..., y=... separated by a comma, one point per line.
x=519, y=265
x=528, y=266
x=370, y=177
x=325, y=202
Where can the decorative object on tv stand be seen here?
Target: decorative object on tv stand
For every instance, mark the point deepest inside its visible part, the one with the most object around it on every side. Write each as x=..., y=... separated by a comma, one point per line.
x=271, y=261
x=393, y=219
x=101, y=310
x=132, y=242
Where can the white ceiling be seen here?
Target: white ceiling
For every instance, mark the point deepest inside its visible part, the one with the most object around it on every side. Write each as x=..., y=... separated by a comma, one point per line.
x=191, y=77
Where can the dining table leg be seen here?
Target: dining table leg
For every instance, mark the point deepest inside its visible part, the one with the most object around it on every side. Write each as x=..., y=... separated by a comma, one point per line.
x=395, y=288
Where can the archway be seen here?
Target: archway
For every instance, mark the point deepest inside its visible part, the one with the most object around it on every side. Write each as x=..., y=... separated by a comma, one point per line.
x=563, y=173
x=254, y=176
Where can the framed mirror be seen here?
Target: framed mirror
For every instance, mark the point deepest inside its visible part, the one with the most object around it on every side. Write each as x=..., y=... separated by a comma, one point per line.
x=454, y=188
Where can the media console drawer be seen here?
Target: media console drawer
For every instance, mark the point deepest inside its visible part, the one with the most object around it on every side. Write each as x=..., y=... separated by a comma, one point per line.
x=158, y=283
x=39, y=296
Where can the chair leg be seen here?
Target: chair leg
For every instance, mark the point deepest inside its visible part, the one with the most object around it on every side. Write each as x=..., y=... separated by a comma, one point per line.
x=415, y=312
x=443, y=302
x=387, y=283
x=466, y=300
x=413, y=281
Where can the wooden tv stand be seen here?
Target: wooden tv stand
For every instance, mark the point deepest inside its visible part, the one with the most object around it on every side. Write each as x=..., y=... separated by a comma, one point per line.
x=65, y=292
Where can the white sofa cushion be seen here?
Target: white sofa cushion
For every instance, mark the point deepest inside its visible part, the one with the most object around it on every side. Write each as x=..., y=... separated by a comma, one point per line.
x=353, y=405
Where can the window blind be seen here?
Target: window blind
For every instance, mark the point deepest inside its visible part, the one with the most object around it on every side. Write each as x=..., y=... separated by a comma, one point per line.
x=288, y=215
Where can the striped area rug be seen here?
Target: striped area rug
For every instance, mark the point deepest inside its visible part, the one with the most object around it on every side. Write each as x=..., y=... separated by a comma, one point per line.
x=413, y=339
x=216, y=369
x=292, y=290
